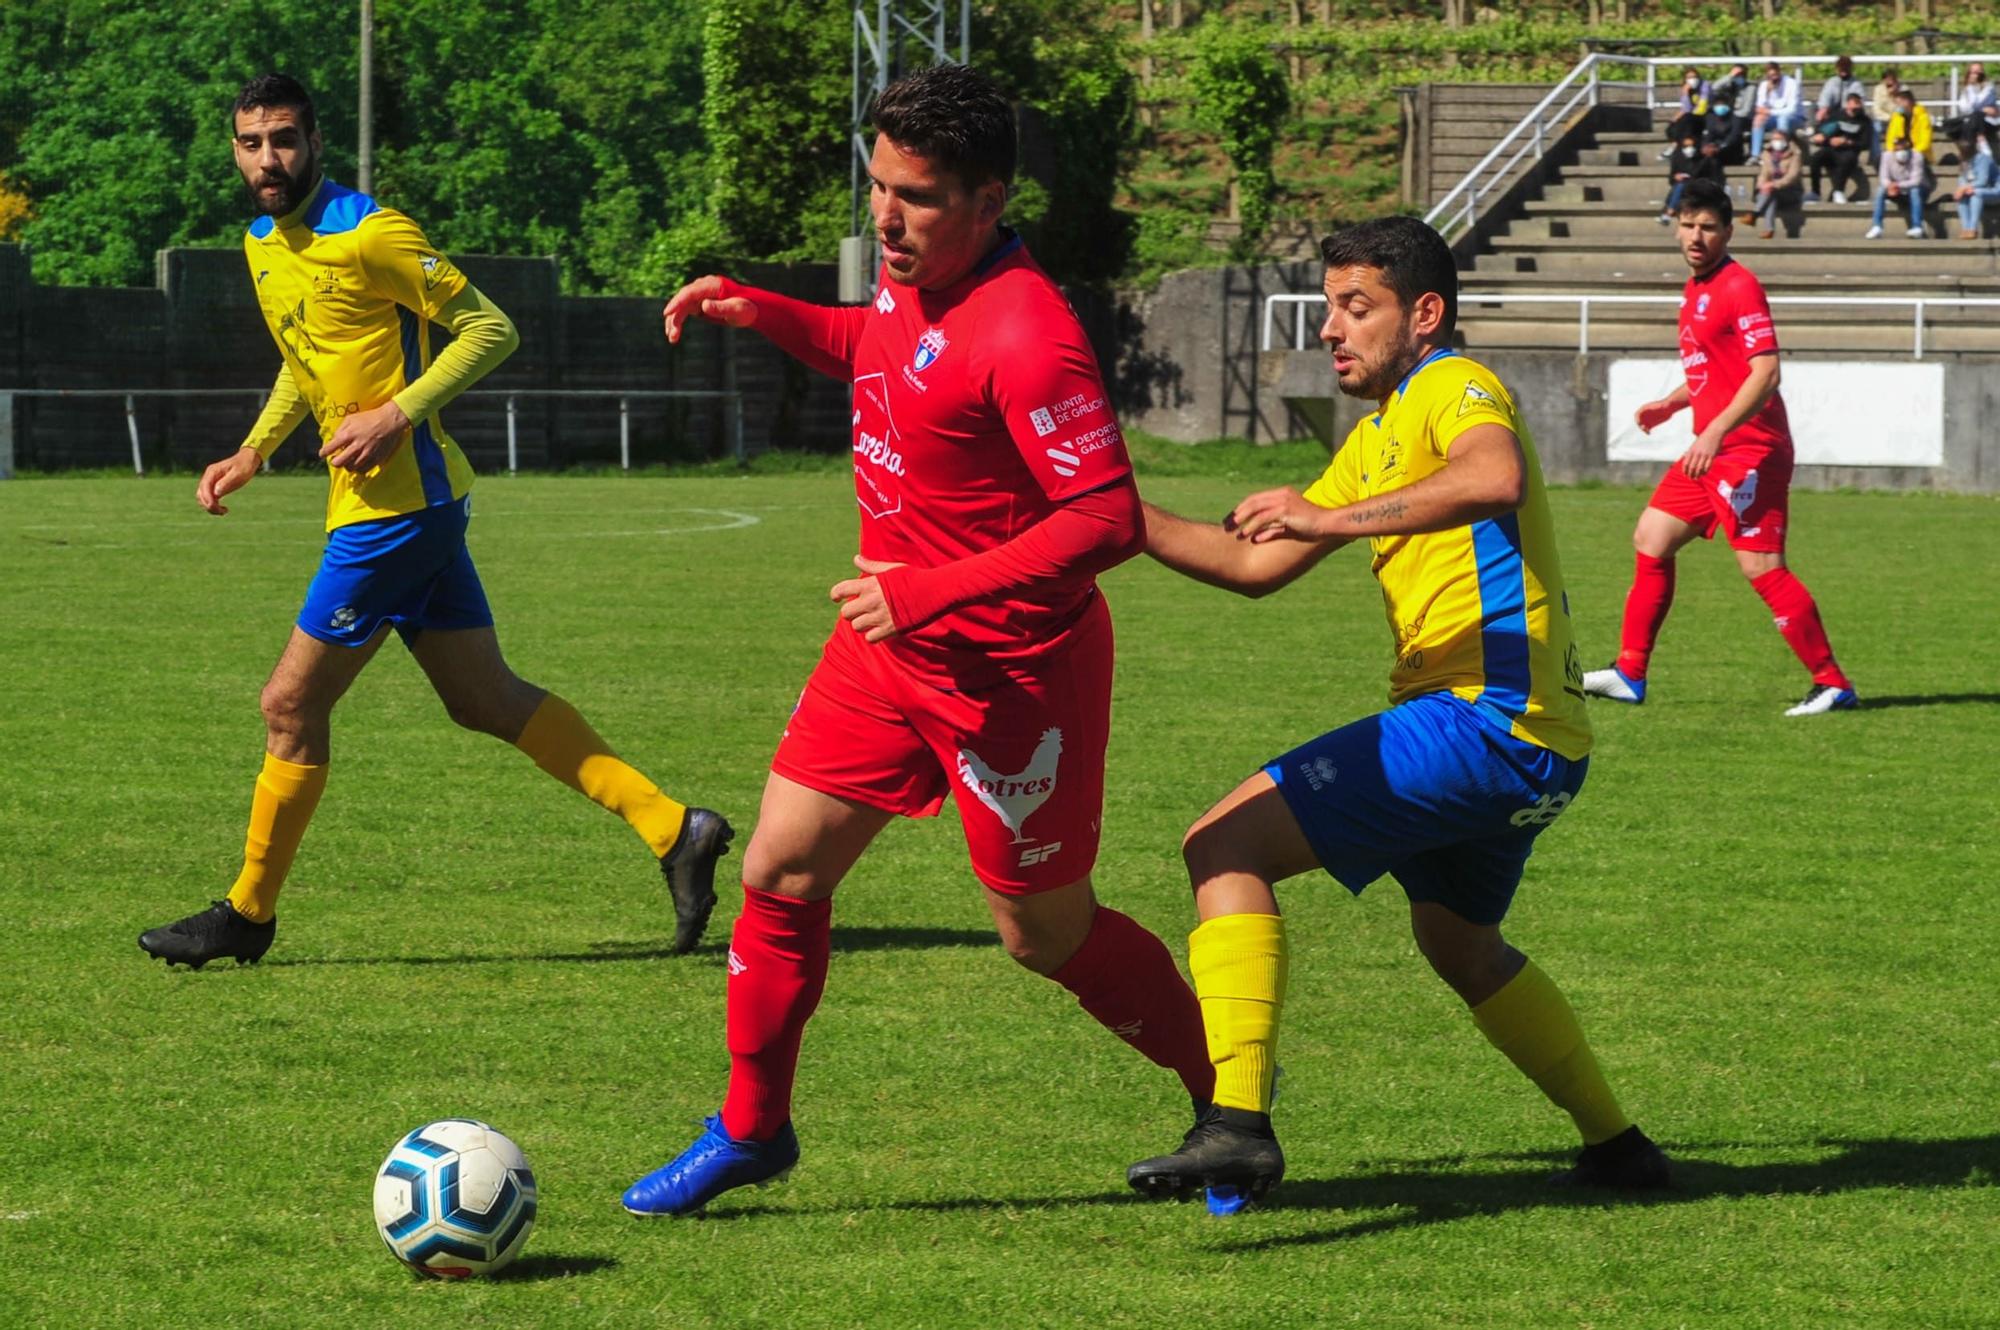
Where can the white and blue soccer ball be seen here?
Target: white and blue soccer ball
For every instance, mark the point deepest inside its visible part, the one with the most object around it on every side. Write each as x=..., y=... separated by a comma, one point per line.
x=455, y=1199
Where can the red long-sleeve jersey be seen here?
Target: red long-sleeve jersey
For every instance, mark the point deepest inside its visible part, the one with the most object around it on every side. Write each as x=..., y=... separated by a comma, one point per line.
x=986, y=459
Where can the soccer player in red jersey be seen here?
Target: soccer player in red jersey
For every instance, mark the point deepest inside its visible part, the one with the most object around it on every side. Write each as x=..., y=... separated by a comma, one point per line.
x=972, y=655
x=1737, y=474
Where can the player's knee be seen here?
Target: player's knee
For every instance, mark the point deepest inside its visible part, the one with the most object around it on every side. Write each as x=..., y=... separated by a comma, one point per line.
x=775, y=872
x=470, y=712
x=1209, y=850
x=284, y=706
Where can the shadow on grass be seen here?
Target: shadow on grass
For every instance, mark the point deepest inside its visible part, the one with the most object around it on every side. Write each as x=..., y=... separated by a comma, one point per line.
x=531, y=1269
x=844, y=939
x=1440, y=1191
x=1927, y=700
x=1414, y=1193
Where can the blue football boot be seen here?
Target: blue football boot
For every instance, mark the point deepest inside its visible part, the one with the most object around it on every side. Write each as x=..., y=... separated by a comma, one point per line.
x=711, y=1166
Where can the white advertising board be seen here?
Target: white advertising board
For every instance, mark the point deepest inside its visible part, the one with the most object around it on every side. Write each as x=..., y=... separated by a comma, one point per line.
x=1843, y=412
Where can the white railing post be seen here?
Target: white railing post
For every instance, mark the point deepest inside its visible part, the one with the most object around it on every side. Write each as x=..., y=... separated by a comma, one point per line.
x=1918, y=351
x=132, y=428
x=513, y=443
x=1264, y=341
x=1299, y=325
x=1583, y=326
x=625, y=434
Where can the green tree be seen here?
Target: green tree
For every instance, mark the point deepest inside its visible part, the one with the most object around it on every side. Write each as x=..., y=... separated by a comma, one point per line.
x=1241, y=95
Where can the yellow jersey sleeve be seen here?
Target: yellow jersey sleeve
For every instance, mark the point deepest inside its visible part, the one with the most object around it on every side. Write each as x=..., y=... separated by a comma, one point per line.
x=1470, y=395
x=400, y=265
x=1340, y=484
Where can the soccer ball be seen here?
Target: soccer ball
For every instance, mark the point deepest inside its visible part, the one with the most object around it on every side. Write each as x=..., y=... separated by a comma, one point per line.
x=455, y=1199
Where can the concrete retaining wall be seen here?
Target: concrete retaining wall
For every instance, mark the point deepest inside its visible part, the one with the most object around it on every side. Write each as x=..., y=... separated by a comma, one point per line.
x=1563, y=396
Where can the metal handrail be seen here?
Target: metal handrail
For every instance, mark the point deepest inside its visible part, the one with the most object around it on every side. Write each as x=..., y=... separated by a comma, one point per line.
x=625, y=398
x=1452, y=222
x=1918, y=305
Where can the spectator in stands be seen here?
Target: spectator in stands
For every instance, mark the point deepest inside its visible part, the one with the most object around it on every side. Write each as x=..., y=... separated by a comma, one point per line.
x=1976, y=94
x=1838, y=142
x=1978, y=175
x=1722, y=136
x=1777, y=183
x=1777, y=109
x=1694, y=107
x=1905, y=176
x=1735, y=88
x=1691, y=161
x=1882, y=109
x=1911, y=122
x=1833, y=93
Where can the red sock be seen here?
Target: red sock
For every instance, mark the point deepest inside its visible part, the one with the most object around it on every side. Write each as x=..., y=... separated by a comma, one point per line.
x=1646, y=606
x=1797, y=617
x=1126, y=979
x=777, y=970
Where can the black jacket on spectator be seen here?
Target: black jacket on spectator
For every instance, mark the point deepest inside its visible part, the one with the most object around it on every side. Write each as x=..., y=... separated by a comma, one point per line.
x=1857, y=134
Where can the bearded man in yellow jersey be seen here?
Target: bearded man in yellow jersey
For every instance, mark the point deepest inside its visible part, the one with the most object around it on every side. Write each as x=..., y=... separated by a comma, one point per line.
x=349, y=290
x=1484, y=744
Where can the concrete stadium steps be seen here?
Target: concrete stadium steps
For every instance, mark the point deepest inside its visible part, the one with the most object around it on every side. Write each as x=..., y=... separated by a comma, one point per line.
x=1639, y=225
x=1465, y=120
x=1816, y=254
x=1869, y=340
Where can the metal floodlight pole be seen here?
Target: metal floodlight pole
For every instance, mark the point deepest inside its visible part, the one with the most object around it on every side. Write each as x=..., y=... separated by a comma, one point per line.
x=364, y=171
x=899, y=35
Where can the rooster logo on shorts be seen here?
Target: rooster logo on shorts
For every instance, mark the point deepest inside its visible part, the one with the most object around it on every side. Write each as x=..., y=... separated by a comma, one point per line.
x=1014, y=798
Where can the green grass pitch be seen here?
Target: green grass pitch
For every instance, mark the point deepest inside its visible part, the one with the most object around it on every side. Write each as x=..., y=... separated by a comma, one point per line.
x=1783, y=937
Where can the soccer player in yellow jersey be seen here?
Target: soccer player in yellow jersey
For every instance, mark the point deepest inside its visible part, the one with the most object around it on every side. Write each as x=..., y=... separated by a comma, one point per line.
x=349, y=289
x=1485, y=742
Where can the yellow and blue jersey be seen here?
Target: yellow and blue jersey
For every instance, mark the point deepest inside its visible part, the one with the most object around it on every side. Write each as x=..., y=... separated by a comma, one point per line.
x=349, y=289
x=1478, y=611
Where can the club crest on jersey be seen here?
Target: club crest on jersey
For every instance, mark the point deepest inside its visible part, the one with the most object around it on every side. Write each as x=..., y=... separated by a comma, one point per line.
x=435, y=269
x=1474, y=395
x=1701, y=306
x=929, y=347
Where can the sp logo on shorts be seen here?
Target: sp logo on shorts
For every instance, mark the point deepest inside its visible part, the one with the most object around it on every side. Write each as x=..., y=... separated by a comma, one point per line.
x=736, y=965
x=1319, y=773
x=1038, y=854
x=1014, y=798
x=1545, y=810
x=344, y=618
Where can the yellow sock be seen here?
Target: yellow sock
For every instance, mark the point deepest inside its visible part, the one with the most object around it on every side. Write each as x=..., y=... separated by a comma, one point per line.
x=287, y=793
x=563, y=744
x=1531, y=1022
x=1238, y=963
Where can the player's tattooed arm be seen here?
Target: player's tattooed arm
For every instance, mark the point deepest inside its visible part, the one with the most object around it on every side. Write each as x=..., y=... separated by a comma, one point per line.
x=1485, y=475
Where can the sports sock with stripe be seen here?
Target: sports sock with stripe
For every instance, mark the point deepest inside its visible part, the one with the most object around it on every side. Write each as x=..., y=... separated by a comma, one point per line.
x=1646, y=606
x=777, y=971
x=562, y=743
x=1126, y=979
x=1796, y=615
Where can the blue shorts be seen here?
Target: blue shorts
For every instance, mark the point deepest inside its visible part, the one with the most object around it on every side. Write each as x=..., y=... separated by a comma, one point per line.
x=1432, y=793
x=413, y=571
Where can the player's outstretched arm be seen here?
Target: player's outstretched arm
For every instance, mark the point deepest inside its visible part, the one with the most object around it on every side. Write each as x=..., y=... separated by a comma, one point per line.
x=1484, y=475
x=823, y=336
x=1209, y=552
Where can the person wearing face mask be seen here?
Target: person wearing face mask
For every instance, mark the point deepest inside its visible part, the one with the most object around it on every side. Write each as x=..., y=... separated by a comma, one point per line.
x=1691, y=160
x=1904, y=179
x=1978, y=174
x=1777, y=184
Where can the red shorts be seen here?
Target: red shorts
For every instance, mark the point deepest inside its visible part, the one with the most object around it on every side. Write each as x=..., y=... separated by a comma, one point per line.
x=1023, y=757
x=1745, y=492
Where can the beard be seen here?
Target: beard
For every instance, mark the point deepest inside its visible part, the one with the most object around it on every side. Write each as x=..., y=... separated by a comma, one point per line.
x=292, y=190
x=1378, y=380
